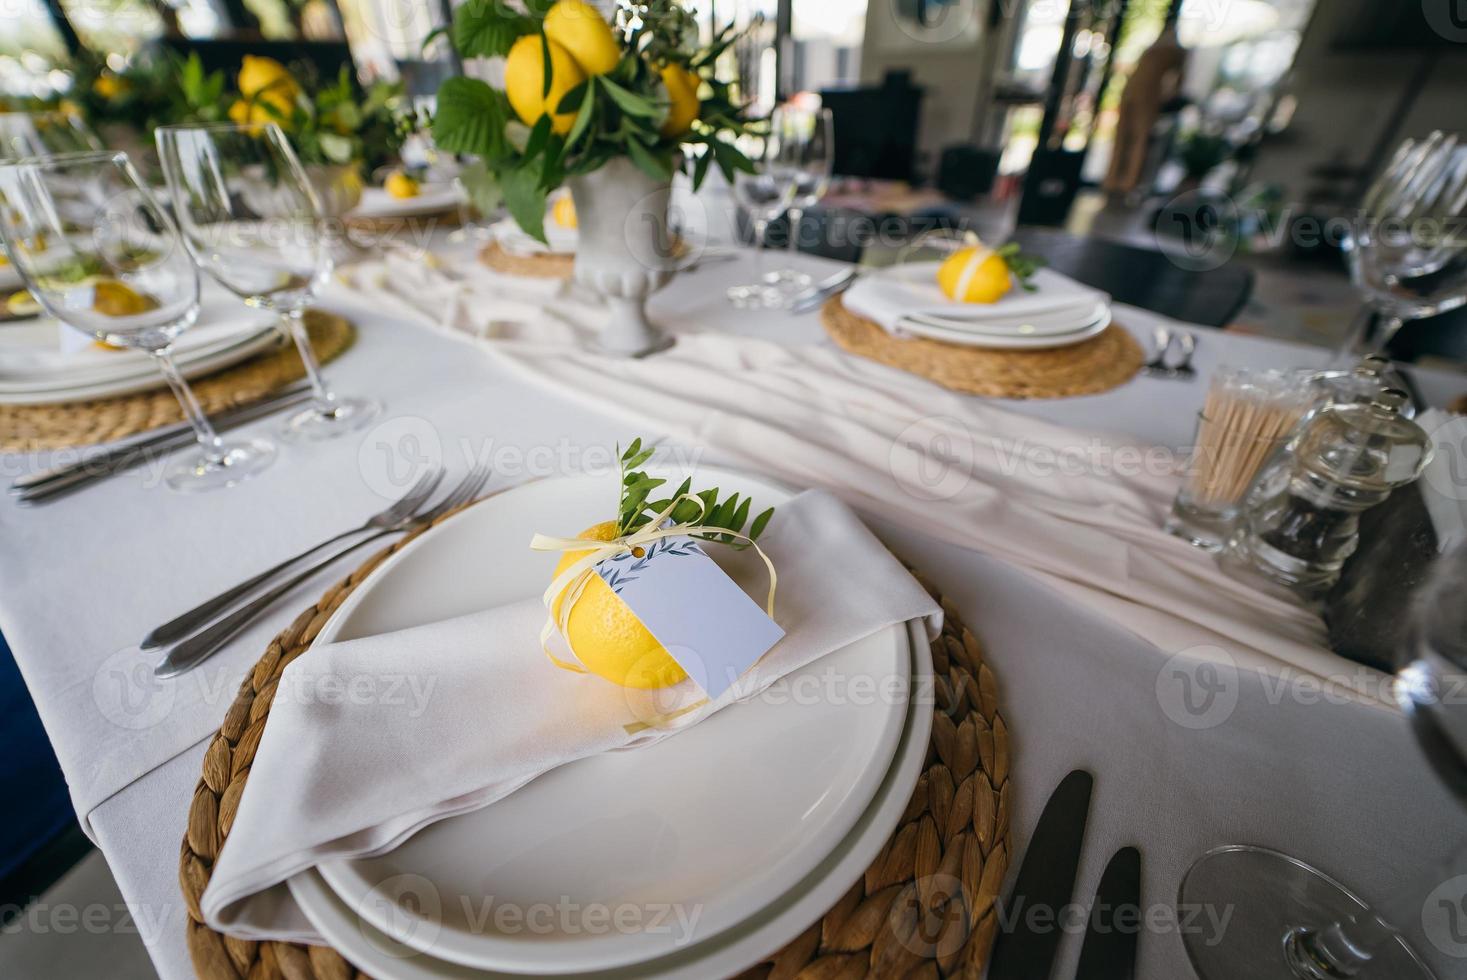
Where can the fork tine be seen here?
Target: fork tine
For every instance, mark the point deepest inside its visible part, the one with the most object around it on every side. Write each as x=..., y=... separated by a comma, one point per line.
x=466, y=490
x=420, y=492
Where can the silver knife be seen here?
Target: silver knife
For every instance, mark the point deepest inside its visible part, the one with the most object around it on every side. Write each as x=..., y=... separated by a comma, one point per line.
x=814, y=297
x=121, y=456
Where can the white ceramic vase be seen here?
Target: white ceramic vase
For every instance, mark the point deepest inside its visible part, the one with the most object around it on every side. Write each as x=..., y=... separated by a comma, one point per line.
x=625, y=251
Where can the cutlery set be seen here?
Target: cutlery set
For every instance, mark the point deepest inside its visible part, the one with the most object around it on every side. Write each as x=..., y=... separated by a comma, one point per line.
x=1162, y=365
x=815, y=297
x=195, y=637
x=1045, y=887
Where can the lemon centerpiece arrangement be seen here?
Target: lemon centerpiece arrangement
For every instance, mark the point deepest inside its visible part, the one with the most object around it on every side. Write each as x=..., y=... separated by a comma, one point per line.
x=610, y=107
x=603, y=634
x=977, y=273
x=338, y=134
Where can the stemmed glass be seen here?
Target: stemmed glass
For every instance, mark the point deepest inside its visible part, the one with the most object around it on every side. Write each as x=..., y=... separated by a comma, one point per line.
x=252, y=220
x=762, y=196
x=24, y=135
x=1293, y=922
x=807, y=146
x=1407, y=249
x=127, y=281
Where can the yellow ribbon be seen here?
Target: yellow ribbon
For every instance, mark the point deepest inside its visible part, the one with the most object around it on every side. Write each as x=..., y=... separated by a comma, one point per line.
x=579, y=575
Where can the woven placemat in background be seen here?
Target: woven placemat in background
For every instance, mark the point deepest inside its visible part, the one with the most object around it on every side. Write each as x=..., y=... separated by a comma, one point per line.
x=1100, y=364
x=925, y=908
x=32, y=428
x=547, y=265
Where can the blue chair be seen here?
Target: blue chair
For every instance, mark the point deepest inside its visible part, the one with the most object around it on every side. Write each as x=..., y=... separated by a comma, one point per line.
x=39, y=835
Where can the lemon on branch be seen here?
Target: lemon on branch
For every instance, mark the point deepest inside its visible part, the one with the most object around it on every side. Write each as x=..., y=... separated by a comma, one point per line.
x=583, y=32
x=682, y=88
x=400, y=185
x=563, y=213
x=524, y=81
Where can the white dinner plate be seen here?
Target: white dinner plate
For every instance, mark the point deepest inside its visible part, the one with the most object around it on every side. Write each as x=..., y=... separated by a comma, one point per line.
x=933, y=330
x=431, y=199
x=1046, y=325
x=722, y=818
x=196, y=366
x=779, y=922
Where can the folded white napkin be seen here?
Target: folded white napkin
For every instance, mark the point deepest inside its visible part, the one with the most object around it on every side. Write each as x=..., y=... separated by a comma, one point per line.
x=335, y=780
x=430, y=199
x=1081, y=511
x=887, y=296
x=1444, y=484
x=558, y=240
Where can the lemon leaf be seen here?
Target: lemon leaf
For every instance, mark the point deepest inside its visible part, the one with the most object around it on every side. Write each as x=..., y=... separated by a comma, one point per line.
x=471, y=118
x=526, y=199
x=487, y=28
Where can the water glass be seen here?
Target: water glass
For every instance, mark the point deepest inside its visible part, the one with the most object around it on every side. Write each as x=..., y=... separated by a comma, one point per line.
x=252, y=219
x=126, y=281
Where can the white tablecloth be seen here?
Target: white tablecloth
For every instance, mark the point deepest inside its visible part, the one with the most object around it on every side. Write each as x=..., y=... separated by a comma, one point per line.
x=1336, y=784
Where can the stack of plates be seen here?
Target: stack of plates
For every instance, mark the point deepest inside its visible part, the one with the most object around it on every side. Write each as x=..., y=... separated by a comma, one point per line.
x=430, y=201
x=907, y=301
x=694, y=857
x=43, y=362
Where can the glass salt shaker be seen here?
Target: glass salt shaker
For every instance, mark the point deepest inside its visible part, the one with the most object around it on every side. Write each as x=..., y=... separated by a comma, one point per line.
x=1302, y=520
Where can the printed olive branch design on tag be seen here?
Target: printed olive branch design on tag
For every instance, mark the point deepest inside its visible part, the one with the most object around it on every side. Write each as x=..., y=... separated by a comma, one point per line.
x=619, y=578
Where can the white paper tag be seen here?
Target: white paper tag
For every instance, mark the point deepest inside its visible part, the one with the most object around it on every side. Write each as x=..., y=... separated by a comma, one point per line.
x=707, y=623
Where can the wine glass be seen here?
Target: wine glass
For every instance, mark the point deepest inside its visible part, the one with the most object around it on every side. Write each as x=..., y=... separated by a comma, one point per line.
x=24, y=135
x=1293, y=922
x=126, y=281
x=1407, y=250
x=251, y=219
x=763, y=196
x=807, y=147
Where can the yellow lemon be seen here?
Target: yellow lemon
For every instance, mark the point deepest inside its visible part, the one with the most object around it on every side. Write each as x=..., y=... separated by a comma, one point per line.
x=22, y=304
x=109, y=86
x=607, y=639
x=682, y=86
x=400, y=185
x=113, y=298
x=269, y=92
x=524, y=82
x=581, y=30
x=564, y=213
x=975, y=275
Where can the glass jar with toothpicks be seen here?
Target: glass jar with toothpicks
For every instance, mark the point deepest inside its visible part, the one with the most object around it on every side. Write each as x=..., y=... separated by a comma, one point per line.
x=1247, y=418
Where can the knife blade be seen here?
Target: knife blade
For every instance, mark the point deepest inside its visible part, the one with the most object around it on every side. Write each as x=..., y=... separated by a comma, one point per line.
x=1031, y=928
x=1109, y=952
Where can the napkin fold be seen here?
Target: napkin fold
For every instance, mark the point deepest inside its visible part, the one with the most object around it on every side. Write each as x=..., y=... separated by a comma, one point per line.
x=1444, y=485
x=886, y=297
x=479, y=712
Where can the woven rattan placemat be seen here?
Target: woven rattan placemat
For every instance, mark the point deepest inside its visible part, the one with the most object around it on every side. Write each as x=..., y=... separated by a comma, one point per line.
x=31, y=428
x=925, y=907
x=549, y=265
x=1108, y=361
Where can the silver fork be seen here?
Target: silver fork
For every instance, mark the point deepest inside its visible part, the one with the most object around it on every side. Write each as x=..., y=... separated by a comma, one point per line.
x=394, y=517
x=1184, y=370
x=190, y=653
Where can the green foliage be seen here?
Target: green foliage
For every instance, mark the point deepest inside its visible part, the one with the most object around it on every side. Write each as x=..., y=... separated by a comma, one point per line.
x=159, y=90
x=1021, y=265
x=617, y=115
x=332, y=124
x=636, y=511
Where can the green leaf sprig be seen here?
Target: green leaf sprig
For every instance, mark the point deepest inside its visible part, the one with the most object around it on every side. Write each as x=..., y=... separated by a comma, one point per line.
x=1022, y=266
x=637, y=509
